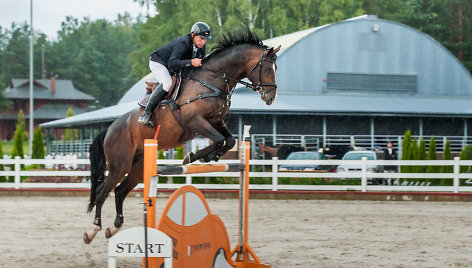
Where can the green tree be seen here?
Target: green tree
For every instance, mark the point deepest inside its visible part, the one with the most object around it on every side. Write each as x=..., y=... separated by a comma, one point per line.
x=337, y=10
x=421, y=155
x=447, y=169
x=21, y=123
x=432, y=156
x=413, y=154
x=2, y=168
x=179, y=152
x=405, y=150
x=99, y=65
x=160, y=155
x=18, y=143
x=38, y=144
x=466, y=154
x=68, y=132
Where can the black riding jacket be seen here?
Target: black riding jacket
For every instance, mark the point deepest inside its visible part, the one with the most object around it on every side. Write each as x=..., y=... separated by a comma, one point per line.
x=177, y=54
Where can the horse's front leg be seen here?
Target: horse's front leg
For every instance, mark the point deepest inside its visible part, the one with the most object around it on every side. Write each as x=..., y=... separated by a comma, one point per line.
x=205, y=129
x=229, y=139
x=229, y=143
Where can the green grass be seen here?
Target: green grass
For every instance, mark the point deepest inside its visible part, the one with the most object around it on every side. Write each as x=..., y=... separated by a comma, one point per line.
x=7, y=147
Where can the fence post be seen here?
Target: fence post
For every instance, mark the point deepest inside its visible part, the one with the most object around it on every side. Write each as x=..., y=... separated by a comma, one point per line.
x=275, y=174
x=456, y=180
x=188, y=179
x=17, y=172
x=399, y=149
x=364, y=175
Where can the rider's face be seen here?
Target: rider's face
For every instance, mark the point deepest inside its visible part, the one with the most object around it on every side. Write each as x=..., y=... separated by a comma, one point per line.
x=198, y=41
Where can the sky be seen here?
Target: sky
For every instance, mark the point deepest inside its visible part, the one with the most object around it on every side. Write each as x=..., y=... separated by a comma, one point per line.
x=48, y=14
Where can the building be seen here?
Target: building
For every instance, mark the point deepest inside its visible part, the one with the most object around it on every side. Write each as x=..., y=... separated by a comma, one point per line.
x=52, y=99
x=364, y=80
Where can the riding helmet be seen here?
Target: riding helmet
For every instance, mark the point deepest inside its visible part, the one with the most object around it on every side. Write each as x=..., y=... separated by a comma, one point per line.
x=202, y=29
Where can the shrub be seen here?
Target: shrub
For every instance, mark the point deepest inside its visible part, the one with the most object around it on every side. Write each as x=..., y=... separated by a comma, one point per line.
x=18, y=143
x=421, y=155
x=405, y=150
x=2, y=178
x=38, y=144
x=466, y=154
x=69, y=132
x=447, y=169
x=179, y=154
x=432, y=156
x=413, y=154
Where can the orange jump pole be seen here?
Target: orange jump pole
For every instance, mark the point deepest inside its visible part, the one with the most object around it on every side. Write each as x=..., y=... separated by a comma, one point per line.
x=149, y=198
x=245, y=256
x=193, y=169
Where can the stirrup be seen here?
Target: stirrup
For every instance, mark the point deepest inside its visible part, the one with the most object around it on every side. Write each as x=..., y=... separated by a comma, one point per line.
x=145, y=119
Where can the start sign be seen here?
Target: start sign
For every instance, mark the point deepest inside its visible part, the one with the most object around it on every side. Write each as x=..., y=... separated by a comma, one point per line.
x=130, y=243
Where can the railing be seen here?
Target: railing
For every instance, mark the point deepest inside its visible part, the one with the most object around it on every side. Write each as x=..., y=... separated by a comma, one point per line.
x=313, y=142
x=69, y=147
x=363, y=175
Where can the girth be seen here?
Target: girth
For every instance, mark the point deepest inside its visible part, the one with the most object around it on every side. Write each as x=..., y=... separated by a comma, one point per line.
x=217, y=93
x=175, y=107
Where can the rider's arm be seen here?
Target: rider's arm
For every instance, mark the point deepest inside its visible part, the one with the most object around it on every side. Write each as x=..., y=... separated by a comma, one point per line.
x=176, y=61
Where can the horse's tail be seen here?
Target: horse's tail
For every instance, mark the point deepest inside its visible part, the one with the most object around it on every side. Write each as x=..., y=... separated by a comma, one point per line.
x=97, y=167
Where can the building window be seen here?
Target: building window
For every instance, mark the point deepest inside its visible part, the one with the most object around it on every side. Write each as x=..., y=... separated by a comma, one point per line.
x=371, y=82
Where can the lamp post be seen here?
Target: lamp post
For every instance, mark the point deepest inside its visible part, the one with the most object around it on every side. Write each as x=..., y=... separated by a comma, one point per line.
x=31, y=125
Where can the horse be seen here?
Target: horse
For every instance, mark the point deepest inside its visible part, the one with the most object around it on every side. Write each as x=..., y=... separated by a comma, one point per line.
x=200, y=109
x=282, y=151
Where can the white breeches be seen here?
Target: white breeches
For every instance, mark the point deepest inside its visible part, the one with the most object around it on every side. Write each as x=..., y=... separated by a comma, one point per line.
x=161, y=73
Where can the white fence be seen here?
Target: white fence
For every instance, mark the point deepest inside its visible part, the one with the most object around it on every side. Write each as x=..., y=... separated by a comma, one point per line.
x=362, y=174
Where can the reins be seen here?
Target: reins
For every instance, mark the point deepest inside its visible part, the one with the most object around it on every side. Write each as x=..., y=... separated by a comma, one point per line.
x=219, y=93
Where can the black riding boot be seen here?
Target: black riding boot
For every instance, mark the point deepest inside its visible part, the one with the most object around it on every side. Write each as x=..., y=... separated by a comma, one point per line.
x=153, y=102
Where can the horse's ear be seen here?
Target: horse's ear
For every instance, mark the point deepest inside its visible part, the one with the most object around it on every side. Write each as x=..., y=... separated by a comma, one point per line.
x=277, y=49
x=270, y=51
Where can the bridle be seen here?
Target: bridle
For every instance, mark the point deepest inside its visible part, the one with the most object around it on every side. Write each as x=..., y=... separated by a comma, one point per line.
x=219, y=93
x=260, y=85
x=258, y=88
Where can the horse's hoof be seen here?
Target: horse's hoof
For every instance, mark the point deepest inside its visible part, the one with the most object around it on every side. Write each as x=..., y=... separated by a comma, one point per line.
x=87, y=240
x=188, y=158
x=90, y=235
x=111, y=231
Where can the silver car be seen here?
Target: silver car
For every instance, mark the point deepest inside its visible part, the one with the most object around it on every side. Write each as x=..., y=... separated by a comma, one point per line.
x=357, y=155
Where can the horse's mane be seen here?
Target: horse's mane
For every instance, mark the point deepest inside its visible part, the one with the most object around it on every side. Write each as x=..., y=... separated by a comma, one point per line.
x=238, y=37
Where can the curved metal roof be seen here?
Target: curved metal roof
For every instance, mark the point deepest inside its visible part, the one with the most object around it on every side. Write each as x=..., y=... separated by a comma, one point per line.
x=371, y=46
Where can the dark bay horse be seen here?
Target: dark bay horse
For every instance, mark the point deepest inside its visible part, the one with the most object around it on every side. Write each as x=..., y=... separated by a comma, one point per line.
x=203, y=102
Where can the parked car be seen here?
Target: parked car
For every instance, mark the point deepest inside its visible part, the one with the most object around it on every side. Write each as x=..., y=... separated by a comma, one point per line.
x=304, y=156
x=357, y=155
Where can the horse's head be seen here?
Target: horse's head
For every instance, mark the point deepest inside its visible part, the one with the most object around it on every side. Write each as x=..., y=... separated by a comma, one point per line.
x=262, y=74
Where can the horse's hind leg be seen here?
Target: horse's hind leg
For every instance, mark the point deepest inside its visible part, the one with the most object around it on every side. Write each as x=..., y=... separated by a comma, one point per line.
x=102, y=193
x=128, y=184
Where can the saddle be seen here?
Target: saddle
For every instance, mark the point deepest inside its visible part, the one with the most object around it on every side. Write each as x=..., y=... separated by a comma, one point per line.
x=171, y=95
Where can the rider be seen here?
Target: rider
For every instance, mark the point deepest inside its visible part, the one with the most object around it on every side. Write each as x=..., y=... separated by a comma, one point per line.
x=179, y=53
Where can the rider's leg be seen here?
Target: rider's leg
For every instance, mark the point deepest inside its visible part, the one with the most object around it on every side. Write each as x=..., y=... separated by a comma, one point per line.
x=165, y=80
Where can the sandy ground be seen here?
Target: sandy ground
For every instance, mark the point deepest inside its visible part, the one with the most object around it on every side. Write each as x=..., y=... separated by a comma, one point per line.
x=47, y=232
